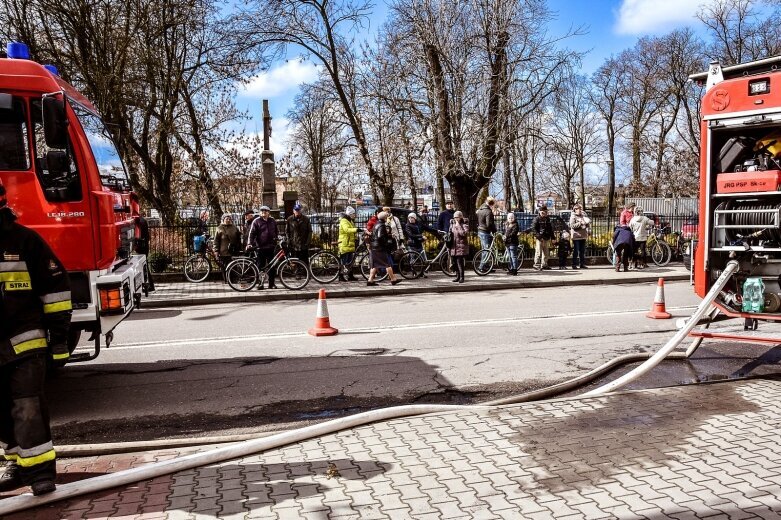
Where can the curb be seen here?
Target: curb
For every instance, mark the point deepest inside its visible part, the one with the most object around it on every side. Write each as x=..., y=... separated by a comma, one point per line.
x=395, y=291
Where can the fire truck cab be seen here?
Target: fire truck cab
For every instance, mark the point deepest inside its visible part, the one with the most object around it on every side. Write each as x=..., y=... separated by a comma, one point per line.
x=65, y=180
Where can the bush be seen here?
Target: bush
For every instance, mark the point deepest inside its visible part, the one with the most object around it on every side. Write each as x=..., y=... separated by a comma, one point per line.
x=159, y=262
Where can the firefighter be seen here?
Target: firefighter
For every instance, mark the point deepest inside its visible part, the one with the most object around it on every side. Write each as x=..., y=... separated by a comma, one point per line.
x=35, y=312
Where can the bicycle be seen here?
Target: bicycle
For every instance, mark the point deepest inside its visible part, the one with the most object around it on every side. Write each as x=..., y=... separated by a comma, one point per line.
x=198, y=267
x=484, y=260
x=326, y=266
x=243, y=274
x=413, y=264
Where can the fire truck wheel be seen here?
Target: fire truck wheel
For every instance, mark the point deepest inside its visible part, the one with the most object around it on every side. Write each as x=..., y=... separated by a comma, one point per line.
x=74, y=335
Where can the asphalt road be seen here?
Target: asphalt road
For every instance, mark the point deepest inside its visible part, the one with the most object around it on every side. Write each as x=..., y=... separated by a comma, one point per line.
x=221, y=369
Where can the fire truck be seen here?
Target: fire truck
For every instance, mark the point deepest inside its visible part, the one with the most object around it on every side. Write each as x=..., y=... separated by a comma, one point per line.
x=740, y=193
x=65, y=180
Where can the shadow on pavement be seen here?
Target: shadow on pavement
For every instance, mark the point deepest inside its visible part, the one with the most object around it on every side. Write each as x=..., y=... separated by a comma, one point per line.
x=237, y=487
x=137, y=401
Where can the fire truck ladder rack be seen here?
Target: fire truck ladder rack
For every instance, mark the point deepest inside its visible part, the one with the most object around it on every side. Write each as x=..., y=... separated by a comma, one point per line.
x=744, y=69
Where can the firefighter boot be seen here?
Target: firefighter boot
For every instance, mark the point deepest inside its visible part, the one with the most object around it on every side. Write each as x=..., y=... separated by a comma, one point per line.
x=10, y=480
x=41, y=487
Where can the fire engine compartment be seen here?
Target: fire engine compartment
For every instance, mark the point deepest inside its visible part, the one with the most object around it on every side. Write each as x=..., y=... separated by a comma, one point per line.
x=745, y=212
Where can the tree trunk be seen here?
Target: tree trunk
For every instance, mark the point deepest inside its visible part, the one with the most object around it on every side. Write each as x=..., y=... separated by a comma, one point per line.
x=464, y=198
x=508, y=183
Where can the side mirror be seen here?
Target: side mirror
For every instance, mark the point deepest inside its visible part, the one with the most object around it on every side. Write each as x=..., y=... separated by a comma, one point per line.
x=55, y=123
x=57, y=162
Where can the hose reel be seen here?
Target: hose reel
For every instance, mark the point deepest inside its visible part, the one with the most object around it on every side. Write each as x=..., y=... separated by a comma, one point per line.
x=757, y=218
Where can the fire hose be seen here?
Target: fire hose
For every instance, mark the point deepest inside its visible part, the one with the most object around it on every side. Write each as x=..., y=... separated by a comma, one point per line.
x=243, y=449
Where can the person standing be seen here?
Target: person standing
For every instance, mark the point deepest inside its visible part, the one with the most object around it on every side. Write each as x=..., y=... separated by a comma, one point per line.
x=443, y=222
x=396, y=229
x=227, y=242
x=459, y=230
x=511, y=242
x=627, y=214
x=543, y=234
x=348, y=236
x=485, y=223
x=563, y=250
x=580, y=228
x=263, y=238
x=141, y=244
x=299, y=234
x=382, y=245
x=623, y=245
x=35, y=314
x=414, y=230
x=249, y=216
x=640, y=226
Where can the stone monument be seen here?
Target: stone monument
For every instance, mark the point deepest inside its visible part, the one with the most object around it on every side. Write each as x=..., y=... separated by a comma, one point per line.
x=269, y=166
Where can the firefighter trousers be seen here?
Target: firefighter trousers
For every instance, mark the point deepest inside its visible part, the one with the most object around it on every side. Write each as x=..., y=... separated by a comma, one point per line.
x=25, y=435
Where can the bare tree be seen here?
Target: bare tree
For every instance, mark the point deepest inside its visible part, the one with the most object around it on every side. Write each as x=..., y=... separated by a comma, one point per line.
x=318, y=139
x=325, y=30
x=739, y=32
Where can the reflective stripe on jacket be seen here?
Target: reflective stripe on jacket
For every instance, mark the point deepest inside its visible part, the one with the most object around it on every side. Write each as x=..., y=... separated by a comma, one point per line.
x=35, y=297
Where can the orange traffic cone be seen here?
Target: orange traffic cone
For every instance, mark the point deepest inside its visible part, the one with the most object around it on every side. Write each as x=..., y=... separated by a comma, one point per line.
x=322, y=322
x=658, y=311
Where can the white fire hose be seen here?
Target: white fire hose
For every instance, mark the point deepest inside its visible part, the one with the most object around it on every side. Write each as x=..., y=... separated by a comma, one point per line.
x=243, y=449
x=676, y=340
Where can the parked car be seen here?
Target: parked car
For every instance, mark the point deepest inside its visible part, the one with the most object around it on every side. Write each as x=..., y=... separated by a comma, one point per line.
x=690, y=227
x=525, y=220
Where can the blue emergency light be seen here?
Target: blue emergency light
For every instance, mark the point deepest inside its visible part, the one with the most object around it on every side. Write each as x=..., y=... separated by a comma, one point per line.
x=18, y=51
x=52, y=69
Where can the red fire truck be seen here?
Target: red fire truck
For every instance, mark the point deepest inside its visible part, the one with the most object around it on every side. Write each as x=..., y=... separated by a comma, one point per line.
x=740, y=190
x=65, y=180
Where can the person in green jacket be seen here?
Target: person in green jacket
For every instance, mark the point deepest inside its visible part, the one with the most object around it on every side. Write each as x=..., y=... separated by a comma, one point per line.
x=348, y=236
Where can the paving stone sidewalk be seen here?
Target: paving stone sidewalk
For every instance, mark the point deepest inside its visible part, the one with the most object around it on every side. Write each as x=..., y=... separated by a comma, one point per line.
x=185, y=293
x=699, y=451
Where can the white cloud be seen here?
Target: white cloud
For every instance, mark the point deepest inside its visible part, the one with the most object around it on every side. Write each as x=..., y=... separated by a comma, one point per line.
x=647, y=16
x=280, y=79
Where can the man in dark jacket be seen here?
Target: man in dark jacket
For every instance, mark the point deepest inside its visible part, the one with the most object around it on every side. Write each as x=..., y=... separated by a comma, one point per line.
x=35, y=312
x=443, y=222
x=542, y=228
x=227, y=242
x=413, y=230
x=263, y=237
x=485, y=223
x=299, y=234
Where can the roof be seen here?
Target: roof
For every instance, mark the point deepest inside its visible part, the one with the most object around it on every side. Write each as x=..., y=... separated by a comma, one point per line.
x=29, y=76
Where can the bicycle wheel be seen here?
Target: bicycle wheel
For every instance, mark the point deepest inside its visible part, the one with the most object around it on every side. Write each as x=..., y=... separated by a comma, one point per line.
x=411, y=265
x=483, y=262
x=610, y=253
x=197, y=268
x=365, y=263
x=293, y=274
x=658, y=254
x=521, y=255
x=446, y=264
x=668, y=252
x=242, y=274
x=324, y=266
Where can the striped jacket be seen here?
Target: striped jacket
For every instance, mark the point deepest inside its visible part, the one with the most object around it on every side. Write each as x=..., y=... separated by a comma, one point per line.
x=35, y=298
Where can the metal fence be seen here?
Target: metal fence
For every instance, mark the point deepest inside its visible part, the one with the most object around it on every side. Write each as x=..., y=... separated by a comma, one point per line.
x=170, y=246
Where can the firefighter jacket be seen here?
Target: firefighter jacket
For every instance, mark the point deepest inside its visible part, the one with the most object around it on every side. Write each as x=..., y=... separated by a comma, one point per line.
x=35, y=298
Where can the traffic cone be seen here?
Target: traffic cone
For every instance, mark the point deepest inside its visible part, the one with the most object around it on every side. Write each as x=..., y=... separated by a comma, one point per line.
x=658, y=311
x=322, y=322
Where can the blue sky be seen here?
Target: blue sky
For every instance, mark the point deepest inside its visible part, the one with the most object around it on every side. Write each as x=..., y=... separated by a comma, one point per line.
x=612, y=26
